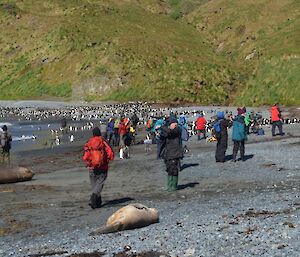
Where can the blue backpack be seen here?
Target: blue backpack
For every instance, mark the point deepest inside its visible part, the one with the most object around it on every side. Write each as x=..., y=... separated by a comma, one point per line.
x=217, y=128
x=261, y=132
x=182, y=121
x=184, y=133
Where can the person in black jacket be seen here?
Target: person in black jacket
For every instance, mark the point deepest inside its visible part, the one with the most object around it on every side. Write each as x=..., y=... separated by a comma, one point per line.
x=5, y=140
x=134, y=120
x=172, y=151
x=222, y=137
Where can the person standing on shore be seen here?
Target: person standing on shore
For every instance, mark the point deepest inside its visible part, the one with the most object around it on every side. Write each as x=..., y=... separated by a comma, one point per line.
x=123, y=131
x=221, y=134
x=103, y=129
x=201, y=126
x=172, y=151
x=276, y=119
x=97, y=154
x=110, y=131
x=116, y=129
x=64, y=125
x=158, y=135
x=239, y=134
x=5, y=145
x=134, y=120
x=248, y=121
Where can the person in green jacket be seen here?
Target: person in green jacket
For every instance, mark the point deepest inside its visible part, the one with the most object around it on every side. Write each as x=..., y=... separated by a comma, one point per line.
x=248, y=121
x=239, y=135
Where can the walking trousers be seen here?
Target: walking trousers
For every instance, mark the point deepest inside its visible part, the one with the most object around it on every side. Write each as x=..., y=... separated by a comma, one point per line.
x=221, y=149
x=97, y=179
x=238, y=145
x=276, y=124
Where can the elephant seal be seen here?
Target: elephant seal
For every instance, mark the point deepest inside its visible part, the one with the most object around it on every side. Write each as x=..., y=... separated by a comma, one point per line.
x=12, y=174
x=129, y=217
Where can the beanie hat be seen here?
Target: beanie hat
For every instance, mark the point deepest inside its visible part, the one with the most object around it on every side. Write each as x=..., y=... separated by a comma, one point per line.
x=241, y=110
x=220, y=115
x=96, y=132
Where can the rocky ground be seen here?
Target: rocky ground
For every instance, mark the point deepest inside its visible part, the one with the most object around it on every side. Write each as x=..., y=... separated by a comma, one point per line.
x=246, y=208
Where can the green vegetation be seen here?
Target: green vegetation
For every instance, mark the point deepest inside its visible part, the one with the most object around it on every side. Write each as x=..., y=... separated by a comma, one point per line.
x=207, y=52
x=262, y=39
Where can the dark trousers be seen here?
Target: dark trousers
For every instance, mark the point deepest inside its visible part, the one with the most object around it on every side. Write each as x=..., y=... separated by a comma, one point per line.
x=153, y=137
x=277, y=124
x=110, y=137
x=159, y=144
x=221, y=149
x=238, y=145
x=172, y=167
x=199, y=132
x=248, y=129
x=117, y=137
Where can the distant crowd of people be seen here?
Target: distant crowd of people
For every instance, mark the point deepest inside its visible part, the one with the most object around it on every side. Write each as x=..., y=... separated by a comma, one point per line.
x=169, y=133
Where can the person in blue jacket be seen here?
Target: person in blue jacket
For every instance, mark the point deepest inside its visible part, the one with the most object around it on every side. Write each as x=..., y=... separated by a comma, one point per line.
x=182, y=121
x=239, y=134
x=158, y=136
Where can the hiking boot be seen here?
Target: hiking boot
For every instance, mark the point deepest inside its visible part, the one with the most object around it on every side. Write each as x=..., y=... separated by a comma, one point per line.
x=95, y=201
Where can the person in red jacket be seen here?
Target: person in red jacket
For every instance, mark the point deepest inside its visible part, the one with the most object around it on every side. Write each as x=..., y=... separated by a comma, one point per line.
x=201, y=126
x=97, y=155
x=276, y=120
x=123, y=131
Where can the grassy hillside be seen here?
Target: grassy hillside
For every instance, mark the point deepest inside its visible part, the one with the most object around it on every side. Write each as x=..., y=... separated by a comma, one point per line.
x=263, y=39
x=172, y=50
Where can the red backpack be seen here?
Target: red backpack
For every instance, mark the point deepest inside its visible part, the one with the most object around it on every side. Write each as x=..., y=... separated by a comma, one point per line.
x=94, y=152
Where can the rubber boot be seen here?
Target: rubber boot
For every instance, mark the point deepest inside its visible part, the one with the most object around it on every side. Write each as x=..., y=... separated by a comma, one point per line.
x=174, y=182
x=169, y=184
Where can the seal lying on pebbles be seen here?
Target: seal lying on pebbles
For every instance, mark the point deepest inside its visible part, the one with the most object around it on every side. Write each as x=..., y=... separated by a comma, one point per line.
x=129, y=217
x=12, y=174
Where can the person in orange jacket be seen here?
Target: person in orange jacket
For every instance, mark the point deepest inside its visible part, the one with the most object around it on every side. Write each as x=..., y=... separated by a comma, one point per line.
x=201, y=126
x=97, y=155
x=276, y=120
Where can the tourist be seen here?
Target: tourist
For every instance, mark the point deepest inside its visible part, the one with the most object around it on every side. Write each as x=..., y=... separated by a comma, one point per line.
x=201, y=126
x=221, y=134
x=239, y=134
x=276, y=120
x=97, y=155
x=172, y=151
x=5, y=145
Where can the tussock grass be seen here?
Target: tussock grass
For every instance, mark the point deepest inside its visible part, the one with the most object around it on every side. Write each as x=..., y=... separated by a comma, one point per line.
x=172, y=50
